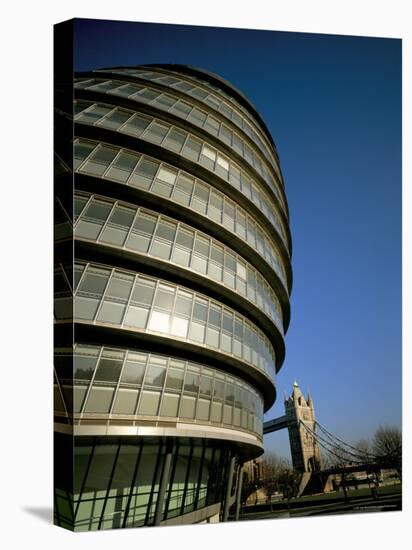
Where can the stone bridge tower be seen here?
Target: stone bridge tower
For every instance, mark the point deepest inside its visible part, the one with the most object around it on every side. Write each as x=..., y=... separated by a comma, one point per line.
x=304, y=448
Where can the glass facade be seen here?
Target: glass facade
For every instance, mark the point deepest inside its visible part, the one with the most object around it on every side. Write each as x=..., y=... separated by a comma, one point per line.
x=201, y=91
x=172, y=284
x=138, y=302
x=117, y=482
x=142, y=172
x=119, y=384
x=187, y=111
x=146, y=232
x=147, y=128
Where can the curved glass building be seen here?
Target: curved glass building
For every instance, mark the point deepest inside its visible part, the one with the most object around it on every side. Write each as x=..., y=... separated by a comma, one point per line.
x=173, y=277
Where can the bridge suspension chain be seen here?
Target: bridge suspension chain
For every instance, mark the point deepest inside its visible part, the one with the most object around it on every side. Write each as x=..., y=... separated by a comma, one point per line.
x=325, y=444
x=336, y=449
x=333, y=437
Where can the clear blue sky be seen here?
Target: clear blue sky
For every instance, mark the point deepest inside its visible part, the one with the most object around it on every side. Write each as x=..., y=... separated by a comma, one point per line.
x=333, y=106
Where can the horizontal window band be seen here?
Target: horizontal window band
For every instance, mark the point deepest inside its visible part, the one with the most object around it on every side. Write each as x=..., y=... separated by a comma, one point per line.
x=126, y=259
x=119, y=101
x=211, y=82
x=165, y=206
x=251, y=117
x=119, y=225
x=180, y=123
x=103, y=385
x=137, y=145
x=131, y=339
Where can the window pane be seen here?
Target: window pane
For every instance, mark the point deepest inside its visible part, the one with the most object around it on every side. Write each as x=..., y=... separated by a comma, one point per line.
x=170, y=405
x=203, y=409
x=164, y=299
x=165, y=101
x=215, y=317
x=197, y=332
x=79, y=202
x=159, y=321
x=183, y=189
x=136, y=125
x=84, y=366
x=192, y=149
x=144, y=224
x=94, y=281
x=212, y=338
x=149, y=403
x=181, y=108
x=144, y=173
x=191, y=383
x=206, y=385
x=183, y=304
x=111, y=312
x=85, y=308
x=98, y=210
x=155, y=132
x=197, y=116
x=92, y=114
x=181, y=256
x=115, y=119
x=209, y=152
x=113, y=235
x=185, y=238
x=202, y=246
x=179, y=327
x=79, y=395
x=82, y=150
x=126, y=401
x=216, y=412
x=187, y=407
x=200, y=311
x=136, y=317
x=122, y=216
x=120, y=286
x=166, y=230
x=147, y=95
x=104, y=155
x=160, y=249
x=155, y=376
x=133, y=372
x=174, y=379
x=108, y=370
x=99, y=400
x=200, y=198
x=143, y=291
x=175, y=140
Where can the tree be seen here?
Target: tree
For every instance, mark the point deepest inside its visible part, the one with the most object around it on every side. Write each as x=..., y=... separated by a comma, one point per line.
x=364, y=446
x=248, y=486
x=387, y=446
x=277, y=475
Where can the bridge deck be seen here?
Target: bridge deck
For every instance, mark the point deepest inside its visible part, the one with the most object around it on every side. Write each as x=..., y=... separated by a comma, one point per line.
x=274, y=425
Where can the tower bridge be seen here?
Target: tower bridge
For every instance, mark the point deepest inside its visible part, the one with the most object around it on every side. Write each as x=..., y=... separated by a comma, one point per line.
x=307, y=436
x=299, y=419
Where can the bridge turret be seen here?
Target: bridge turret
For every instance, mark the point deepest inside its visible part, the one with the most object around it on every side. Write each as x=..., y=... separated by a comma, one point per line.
x=304, y=448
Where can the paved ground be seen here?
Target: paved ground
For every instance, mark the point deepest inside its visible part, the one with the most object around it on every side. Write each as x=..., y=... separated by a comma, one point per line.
x=389, y=499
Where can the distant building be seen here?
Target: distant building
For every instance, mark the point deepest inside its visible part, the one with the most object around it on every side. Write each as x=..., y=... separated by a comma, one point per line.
x=181, y=283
